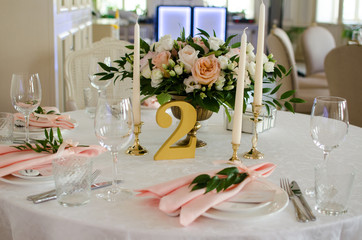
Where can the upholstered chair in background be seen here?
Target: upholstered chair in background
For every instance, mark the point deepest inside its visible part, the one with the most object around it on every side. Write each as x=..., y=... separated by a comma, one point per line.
x=343, y=67
x=317, y=42
x=306, y=88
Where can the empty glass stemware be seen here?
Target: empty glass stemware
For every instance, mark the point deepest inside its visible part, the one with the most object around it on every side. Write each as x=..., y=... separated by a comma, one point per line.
x=95, y=68
x=328, y=125
x=25, y=96
x=114, y=129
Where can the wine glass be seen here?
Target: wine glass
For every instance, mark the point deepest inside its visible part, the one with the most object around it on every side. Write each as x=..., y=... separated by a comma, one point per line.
x=114, y=129
x=95, y=68
x=328, y=125
x=25, y=93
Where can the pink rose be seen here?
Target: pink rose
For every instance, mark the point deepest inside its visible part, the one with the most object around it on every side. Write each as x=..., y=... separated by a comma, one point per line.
x=206, y=70
x=199, y=42
x=232, y=52
x=144, y=60
x=188, y=56
x=161, y=58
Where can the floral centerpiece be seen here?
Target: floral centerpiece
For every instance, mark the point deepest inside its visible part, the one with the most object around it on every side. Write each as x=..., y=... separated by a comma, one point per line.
x=202, y=69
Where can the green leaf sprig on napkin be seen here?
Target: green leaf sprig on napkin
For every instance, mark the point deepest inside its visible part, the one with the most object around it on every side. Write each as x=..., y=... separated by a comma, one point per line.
x=50, y=144
x=229, y=176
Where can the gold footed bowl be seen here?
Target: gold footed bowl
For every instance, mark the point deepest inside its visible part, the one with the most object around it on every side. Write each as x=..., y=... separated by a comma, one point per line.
x=202, y=114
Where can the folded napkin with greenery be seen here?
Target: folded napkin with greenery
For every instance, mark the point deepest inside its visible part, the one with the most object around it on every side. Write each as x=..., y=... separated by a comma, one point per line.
x=47, y=117
x=194, y=194
x=33, y=156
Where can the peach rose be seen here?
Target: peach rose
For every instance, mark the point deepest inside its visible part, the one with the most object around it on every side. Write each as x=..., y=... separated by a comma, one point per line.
x=161, y=58
x=206, y=70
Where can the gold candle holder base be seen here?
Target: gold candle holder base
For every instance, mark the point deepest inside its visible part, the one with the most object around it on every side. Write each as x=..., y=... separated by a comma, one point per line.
x=234, y=157
x=254, y=153
x=136, y=149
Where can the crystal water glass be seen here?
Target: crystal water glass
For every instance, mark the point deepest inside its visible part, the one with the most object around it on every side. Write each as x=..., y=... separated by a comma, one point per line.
x=328, y=126
x=25, y=95
x=114, y=130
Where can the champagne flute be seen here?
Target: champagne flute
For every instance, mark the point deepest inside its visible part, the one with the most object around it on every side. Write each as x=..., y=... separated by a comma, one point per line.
x=328, y=125
x=25, y=93
x=95, y=68
x=114, y=129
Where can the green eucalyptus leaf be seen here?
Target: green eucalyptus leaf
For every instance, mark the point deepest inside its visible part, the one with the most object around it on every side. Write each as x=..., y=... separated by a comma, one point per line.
x=212, y=184
x=289, y=107
x=228, y=171
x=296, y=100
x=287, y=94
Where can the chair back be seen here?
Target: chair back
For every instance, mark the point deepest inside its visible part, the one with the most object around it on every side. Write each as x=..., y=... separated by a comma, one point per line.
x=343, y=67
x=317, y=42
x=281, y=47
x=77, y=69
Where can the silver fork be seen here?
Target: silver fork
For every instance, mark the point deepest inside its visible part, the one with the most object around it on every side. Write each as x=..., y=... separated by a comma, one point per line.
x=94, y=176
x=299, y=214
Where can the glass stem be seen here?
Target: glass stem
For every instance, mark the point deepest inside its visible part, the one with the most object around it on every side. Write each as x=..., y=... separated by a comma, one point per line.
x=115, y=172
x=26, y=116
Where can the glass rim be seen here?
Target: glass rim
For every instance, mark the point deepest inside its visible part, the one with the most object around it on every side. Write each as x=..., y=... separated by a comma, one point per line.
x=330, y=99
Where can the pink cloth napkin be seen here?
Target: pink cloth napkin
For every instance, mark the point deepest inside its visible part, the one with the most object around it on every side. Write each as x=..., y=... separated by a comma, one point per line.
x=176, y=195
x=12, y=159
x=52, y=120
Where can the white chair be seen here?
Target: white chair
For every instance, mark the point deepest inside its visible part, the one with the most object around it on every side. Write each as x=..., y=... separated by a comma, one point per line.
x=317, y=42
x=77, y=69
x=307, y=88
x=343, y=66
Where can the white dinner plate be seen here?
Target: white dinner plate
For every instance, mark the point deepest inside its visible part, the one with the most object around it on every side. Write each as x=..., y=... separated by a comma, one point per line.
x=253, y=190
x=21, y=181
x=45, y=176
x=281, y=200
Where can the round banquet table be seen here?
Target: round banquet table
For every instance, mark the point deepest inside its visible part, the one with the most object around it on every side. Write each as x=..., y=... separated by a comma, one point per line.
x=288, y=145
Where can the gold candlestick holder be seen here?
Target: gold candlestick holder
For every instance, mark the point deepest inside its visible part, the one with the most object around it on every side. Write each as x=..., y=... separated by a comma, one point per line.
x=136, y=149
x=254, y=153
x=235, y=153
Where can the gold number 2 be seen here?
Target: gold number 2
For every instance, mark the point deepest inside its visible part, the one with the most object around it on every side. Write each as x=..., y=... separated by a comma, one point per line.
x=187, y=122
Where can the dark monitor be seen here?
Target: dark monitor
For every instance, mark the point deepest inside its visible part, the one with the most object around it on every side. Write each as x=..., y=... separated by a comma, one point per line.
x=210, y=19
x=171, y=20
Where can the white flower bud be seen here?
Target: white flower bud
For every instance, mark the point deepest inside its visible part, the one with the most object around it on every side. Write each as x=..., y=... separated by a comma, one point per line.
x=269, y=67
x=146, y=72
x=172, y=73
x=223, y=62
x=178, y=69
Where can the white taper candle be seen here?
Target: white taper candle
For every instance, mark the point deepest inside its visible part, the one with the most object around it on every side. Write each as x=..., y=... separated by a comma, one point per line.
x=136, y=76
x=239, y=98
x=258, y=87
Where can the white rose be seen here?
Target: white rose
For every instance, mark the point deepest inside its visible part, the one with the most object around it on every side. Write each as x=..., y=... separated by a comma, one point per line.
x=251, y=57
x=128, y=67
x=247, y=80
x=156, y=77
x=269, y=67
x=146, y=72
x=249, y=48
x=224, y=61
x=251, y=68
x=215, y=43
x=191, y=84
x=188, y=56
x=178, y=69
x=220, y=82
x=265, y=58
x=165, y=44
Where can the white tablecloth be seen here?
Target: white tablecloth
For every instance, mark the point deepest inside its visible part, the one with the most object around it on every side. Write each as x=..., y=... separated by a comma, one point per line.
x=288, y=145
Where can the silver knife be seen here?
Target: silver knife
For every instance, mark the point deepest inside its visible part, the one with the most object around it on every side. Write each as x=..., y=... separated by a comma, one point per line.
x=52, y=195
x=296, y=189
